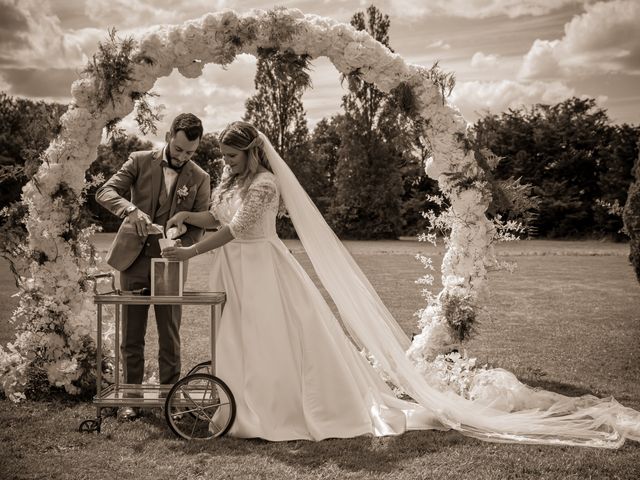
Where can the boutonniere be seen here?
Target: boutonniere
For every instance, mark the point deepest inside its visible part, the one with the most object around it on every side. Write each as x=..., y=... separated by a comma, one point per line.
x=182, y=193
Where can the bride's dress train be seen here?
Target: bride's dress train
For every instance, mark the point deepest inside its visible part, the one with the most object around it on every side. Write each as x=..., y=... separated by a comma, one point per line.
x=296, y=375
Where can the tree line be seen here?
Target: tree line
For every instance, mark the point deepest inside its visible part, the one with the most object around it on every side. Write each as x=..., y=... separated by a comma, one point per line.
x=579, y=164
x=363, y=166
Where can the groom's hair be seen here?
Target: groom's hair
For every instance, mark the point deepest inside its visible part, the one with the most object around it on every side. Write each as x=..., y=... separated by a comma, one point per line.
x=189, y=124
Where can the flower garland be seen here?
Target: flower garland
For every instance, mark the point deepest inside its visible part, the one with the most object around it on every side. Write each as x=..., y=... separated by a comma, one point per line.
x=54, y=344
x=218, y=38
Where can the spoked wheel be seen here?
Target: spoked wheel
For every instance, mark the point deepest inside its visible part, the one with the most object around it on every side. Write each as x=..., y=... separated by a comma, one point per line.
x=202, y=367
x=200, y=407
x=90, y=426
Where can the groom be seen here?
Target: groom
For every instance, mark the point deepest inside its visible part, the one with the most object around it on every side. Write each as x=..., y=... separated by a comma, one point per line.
x=160, y=183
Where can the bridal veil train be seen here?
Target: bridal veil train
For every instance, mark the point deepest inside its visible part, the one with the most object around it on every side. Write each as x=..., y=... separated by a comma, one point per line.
x=296, y=374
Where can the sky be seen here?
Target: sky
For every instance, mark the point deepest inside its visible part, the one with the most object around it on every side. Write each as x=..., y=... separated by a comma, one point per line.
x=504, y=53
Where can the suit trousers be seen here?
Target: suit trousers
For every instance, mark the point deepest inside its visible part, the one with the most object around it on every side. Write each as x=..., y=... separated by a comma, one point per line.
x=134, y=328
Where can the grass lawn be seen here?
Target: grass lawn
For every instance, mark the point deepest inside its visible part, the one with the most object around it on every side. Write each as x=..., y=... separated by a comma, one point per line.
x=567, y=320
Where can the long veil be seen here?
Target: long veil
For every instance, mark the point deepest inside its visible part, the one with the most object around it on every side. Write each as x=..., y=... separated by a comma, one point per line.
x=586, y=420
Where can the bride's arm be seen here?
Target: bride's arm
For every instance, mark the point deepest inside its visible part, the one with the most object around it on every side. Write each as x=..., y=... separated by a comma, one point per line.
x=210, y=242
x=252, y=208
x=204, y=219
x=257, y=200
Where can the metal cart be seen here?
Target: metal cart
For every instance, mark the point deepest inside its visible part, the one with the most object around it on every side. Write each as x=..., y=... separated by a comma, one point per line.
x=199, y=406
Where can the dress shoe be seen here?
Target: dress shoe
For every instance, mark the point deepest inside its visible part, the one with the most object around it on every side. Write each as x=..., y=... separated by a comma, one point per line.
x=128, y=413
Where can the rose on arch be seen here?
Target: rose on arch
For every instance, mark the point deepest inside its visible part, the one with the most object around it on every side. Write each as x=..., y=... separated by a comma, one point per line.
x=58, y=254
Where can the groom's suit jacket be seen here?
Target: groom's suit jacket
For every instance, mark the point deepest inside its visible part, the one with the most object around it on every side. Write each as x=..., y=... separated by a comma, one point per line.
x=142, y=175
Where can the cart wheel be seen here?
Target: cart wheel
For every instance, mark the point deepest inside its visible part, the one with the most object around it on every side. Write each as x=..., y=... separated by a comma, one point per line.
x=200, y=407
x=90, y=426
x=202, y=367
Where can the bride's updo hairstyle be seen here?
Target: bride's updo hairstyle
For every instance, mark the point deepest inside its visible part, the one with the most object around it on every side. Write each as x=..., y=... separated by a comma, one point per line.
x=242, y=136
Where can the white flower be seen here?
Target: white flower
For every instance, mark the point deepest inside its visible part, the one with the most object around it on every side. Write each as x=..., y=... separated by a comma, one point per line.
x=84, y=92
x=182, y=193
x=192, y=70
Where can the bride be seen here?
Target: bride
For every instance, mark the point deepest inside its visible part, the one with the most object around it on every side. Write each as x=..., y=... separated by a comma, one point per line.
x=293, y=370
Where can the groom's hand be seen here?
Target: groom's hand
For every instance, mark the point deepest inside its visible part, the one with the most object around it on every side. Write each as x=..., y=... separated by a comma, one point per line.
x=142, y=222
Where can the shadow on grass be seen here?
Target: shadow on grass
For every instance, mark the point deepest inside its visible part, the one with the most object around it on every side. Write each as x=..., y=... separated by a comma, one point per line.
x=375, y=455
x=365, y=454
x=536, y=378
x=570, y=390
x=566, y=389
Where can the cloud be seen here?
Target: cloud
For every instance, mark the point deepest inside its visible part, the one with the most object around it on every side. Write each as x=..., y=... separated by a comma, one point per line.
x=440, y=44
x=604, y=39
x=476, y=8
x=41, y=83
x=32, y=37
x=325, y=98
x=482, y=61
x=12, y=23
x=4, y=86
x=475, y=96
x=39, y=58
x=408, y=8
x=540, y=61
x=217, y=96
x=139, y=13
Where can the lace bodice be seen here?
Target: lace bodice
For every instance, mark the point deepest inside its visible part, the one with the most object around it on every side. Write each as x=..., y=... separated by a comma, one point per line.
x=253, y=216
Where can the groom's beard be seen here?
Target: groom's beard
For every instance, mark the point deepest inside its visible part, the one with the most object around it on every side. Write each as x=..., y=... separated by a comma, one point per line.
x=170, y=160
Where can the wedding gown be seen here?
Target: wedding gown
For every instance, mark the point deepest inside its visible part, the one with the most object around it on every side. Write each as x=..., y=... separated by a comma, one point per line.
x=296, y=375
x=292, y=370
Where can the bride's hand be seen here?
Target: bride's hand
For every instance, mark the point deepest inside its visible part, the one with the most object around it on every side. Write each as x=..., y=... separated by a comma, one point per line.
x=178, y=253
x=177, y=221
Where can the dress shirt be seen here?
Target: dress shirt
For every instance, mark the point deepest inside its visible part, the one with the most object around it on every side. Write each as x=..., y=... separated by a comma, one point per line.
x=170, y=175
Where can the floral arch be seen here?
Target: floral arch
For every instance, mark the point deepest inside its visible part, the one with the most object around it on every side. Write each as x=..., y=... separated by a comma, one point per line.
x=56, y=303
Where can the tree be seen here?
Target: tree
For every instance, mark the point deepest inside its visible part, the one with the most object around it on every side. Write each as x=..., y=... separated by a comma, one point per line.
x=616, y=159
x=571, y=155
x=324, y=145
x=631, y=216
x=403, y=129
x=111, y=156
x=365, y=100
x=369, y=184
x=276, y=109
x=26, y=128
x=209, y=157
